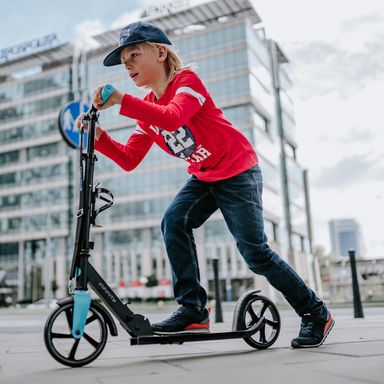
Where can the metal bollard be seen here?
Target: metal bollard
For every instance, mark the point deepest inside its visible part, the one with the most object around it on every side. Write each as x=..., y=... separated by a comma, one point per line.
x=357, y=306
x=218, y=310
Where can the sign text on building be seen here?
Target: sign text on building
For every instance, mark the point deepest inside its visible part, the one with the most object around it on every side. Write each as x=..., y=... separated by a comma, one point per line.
x=166, y=8
x=28, y=47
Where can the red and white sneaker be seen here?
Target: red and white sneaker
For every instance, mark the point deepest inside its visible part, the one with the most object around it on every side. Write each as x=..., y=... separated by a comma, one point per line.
x=314, y=330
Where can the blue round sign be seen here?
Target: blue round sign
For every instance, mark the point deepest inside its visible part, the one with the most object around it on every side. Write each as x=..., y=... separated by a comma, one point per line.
x=67, y=118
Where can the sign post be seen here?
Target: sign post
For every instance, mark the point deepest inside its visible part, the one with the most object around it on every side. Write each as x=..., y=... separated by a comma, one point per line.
x=67, y=118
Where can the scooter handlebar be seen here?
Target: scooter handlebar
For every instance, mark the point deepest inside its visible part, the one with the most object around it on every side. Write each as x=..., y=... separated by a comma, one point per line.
x=106, y=92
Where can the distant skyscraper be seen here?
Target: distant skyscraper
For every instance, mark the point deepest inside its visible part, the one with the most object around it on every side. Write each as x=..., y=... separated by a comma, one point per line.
x=345, y=235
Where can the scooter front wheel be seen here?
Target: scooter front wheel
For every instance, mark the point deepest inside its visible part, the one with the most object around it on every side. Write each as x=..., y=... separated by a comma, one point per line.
x=68, y=350
x=254, y=308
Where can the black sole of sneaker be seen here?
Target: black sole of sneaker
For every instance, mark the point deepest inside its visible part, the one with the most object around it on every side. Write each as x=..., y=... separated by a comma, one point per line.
x=295, y=344
x=182, y=332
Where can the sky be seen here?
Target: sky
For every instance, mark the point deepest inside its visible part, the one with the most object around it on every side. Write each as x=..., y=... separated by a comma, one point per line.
x=336, y=54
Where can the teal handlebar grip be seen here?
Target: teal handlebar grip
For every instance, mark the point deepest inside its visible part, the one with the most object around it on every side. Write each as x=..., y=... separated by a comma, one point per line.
x=106, y=92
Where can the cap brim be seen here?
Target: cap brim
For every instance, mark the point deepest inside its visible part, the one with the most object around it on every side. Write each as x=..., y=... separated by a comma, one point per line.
x=114, y=57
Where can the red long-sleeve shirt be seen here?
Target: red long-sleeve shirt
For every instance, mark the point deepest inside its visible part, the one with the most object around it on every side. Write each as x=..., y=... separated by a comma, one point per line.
x=185, y=123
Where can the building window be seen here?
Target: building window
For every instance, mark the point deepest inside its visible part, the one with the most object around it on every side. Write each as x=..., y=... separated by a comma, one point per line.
x=270, y=229
x=8, y=178
x=42, y=151
x=261, y=122
x=298, y=242
x=290, y=150
x=9, y=157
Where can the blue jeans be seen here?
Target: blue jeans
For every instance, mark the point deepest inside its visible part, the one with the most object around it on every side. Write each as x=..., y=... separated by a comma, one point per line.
x=239, y=199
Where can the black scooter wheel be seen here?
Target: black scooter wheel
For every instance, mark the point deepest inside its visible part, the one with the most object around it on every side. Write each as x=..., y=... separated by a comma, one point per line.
x=252, y=309
x=67, y=350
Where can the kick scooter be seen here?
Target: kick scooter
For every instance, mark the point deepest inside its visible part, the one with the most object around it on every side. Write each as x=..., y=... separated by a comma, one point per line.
x=76, y=331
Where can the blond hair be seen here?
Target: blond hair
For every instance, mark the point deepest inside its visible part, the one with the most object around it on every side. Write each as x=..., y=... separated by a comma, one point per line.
x=173, y=61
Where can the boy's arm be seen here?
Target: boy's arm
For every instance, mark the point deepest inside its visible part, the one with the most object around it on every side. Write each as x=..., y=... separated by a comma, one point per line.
x=128, y=156
x=189, y=97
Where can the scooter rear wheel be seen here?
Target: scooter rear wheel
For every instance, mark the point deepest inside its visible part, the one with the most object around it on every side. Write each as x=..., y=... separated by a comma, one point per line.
x=253, y=308
x=68, y=350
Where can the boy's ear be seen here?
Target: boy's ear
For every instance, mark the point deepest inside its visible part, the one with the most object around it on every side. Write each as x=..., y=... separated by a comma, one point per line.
x=163, y=53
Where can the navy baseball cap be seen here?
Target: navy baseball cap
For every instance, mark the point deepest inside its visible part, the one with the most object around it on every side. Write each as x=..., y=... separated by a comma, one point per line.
x=135, y=33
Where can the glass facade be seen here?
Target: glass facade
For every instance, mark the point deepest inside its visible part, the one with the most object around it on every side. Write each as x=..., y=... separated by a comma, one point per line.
x=34, y=176
x=38, y=172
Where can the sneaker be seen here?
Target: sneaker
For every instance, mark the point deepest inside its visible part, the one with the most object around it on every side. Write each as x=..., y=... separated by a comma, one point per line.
x=185, y=319
x=314, y=330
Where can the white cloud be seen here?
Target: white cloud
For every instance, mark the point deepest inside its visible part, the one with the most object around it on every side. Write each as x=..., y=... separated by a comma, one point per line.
x=355, y=32
x=362, y=201
x=126, y=18
x=341, y=142
x=84, y=32
x=330, y=128
x=88, y=28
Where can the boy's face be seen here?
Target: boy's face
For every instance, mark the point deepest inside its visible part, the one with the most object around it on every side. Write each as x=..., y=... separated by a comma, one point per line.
x=142, y=61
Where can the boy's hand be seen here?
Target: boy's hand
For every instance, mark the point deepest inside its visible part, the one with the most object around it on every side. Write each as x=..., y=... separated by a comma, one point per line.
x=82, y=125
x=79, y=123
x=115, y=98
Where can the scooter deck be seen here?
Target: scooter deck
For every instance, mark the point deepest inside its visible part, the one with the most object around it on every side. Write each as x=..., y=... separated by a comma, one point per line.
x=180, y=338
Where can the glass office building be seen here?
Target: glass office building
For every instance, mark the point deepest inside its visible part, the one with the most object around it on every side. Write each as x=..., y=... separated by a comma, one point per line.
x=244, y=72
x=345, y=235
x=34, y=165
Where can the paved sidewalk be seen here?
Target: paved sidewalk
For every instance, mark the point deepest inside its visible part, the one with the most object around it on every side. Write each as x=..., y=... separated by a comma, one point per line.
x=353, y=353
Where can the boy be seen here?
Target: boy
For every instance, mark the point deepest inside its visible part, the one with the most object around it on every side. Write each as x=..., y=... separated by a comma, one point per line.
x=179, y=115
